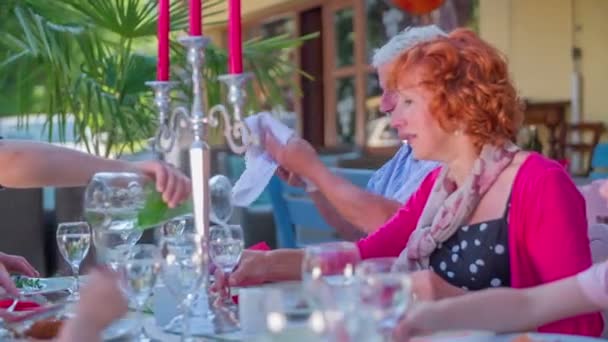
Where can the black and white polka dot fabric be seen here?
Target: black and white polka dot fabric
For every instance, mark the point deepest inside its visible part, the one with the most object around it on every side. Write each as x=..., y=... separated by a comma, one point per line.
x=476, y=256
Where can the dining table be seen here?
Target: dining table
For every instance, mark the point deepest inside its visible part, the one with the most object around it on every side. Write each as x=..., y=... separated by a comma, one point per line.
x=293, y=332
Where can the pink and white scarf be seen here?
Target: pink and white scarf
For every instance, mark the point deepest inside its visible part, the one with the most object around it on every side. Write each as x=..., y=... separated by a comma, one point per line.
x=449, y=206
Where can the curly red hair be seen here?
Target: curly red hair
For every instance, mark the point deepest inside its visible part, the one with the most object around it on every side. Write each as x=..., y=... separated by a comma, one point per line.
x=470, y=85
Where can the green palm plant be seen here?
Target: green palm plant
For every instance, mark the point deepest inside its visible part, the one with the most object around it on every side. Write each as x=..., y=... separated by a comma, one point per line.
x=88, y=61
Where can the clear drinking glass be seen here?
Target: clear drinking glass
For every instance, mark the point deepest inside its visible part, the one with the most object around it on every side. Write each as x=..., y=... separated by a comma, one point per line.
x=74, y=240
x=178, y=226
x=328, y=269
x=140, y=272
x=329, y=284
x=112, y=204
x=183, y=270
x=226, y=244
x=385, y=293
x=380, y=265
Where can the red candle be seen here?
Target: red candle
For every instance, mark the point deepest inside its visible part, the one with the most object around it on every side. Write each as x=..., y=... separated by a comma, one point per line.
x=195, y=18
x=162, y=68
x=235, y=53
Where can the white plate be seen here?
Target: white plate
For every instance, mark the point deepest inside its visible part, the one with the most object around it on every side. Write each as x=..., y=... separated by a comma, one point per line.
x=49, y=285
x=458, y=336
x=537, y=337
x=119, y=329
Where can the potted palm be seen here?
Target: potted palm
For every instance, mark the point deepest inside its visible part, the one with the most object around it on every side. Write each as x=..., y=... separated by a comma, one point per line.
x=84, y=64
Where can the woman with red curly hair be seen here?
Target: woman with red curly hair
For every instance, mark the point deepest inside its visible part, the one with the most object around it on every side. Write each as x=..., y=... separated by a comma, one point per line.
x=492, y=215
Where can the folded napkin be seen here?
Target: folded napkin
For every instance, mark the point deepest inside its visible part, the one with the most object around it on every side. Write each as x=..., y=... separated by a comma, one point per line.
x=261, y=246
x=21, y=305
x=259, y=165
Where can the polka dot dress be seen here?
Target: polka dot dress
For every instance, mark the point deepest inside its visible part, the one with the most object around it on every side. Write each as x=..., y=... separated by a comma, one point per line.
x=476, y=256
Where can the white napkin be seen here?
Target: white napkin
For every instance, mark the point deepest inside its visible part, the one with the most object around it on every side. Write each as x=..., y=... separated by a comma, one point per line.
x=259, y=165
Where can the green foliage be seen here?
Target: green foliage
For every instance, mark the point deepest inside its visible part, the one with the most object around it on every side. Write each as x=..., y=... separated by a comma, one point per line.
x=88, y=61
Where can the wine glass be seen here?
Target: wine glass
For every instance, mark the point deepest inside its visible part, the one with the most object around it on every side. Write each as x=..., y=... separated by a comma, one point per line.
x=74, y=240
x=178, y=226
x=226, y=246
x=220, y=190
x=112, y=203
x=385, y=292
x=140, y=272
x=183, y=270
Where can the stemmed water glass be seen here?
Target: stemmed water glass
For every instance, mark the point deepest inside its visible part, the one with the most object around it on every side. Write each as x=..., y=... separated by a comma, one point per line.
x=140, y=272
x=183, y=270
x=74, y=240
x=226, y=244
x=385, y=292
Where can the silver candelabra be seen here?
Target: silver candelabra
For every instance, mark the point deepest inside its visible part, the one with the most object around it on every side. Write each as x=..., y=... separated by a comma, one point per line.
x=235, y=130
x=236, y=133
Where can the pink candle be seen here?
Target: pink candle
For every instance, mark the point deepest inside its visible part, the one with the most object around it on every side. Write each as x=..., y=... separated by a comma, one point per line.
x=195, y=18
x=162, y=68
x=235, y=53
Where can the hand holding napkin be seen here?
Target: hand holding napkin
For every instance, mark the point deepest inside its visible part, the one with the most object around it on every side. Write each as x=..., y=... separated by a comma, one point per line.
x=259, y=165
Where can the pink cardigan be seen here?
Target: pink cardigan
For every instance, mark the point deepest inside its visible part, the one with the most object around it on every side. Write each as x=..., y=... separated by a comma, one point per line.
x=547, y=233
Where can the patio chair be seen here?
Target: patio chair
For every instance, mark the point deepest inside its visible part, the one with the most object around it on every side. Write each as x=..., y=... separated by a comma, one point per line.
x=297, y=220
x=599, y=162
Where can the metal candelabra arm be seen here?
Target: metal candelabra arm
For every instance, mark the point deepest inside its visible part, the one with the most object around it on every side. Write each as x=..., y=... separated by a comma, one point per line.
x=236, y=134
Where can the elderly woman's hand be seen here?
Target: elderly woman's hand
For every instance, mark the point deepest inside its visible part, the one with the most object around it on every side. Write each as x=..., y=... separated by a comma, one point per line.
x=428, y=286
x=253, y=269
x=417, y=321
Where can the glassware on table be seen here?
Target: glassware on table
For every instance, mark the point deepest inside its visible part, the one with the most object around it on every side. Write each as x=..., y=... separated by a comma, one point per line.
x=184, y=270
x=380, y=265
x=226, y=244
x=178, y=226
x=112, y=203
x=385, y=292
x=275, y=312
x=330, y=267
x=328, y=280
x=74, y=241
x=140, y=272
x=220, y=193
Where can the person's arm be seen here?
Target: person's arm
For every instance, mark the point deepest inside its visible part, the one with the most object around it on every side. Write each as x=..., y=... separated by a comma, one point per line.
x=257, y=267
x=345, y=229
x=363, y=209
x=101, y=303
x=500, y=310
x=555, y=240
x=31, y=165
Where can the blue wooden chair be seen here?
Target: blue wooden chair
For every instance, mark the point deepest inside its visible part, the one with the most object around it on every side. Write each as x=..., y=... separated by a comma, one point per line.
x=295, y=212
x=599, y=162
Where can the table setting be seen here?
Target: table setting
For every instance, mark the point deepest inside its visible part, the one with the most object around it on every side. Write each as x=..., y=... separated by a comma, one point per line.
x=168, y=282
